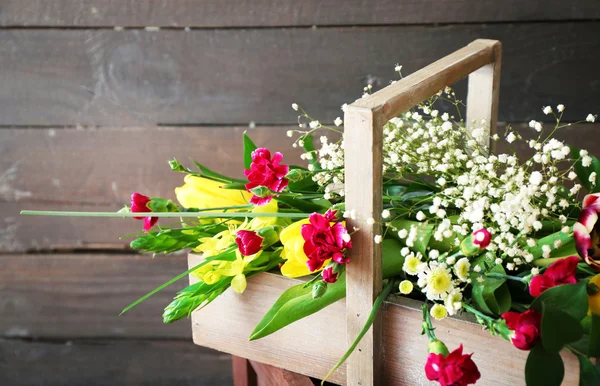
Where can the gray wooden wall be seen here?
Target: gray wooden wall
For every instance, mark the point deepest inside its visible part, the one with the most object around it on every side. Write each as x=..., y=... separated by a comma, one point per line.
x=96, y=96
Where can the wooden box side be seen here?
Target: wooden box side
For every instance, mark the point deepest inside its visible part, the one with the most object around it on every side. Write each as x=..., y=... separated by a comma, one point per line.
x=312, y=345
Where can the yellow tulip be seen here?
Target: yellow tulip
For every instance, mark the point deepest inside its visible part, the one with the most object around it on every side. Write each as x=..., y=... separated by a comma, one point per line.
x=594, y=296
x=202, y=193
x=293, y=251
x=265, y=222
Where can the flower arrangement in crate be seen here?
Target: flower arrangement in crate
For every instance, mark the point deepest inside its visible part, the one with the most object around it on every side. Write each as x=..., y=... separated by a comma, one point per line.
x=466, y=230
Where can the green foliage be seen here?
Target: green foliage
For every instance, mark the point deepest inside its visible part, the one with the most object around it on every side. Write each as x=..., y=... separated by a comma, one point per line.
x=308, y=145
x=589, y=374
x=168, y=241
x=492, y=295
x=565, y=238
x=594, y=344
x=558, y=329
x=249, y=147
x=569, y=298
x=423, y=236
x=583, y=172
x=158, y=204
x=203, y=171
x=544, y=368
x=192, y=298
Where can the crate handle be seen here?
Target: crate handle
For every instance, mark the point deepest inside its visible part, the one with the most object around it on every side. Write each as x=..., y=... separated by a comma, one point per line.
x=363, y=132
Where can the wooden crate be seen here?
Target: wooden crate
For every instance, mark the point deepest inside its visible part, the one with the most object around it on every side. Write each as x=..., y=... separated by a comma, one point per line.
x=392, y=352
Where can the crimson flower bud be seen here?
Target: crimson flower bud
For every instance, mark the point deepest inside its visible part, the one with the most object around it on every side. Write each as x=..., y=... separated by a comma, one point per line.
x=248, y=242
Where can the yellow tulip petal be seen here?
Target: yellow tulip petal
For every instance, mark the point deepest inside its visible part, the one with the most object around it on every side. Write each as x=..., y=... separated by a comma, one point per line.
x=292, y=231
x=292, y=268
x=199, y=192
x=238, y=283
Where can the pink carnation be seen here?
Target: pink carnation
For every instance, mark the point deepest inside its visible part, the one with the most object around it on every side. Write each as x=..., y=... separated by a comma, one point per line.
x=323, y=241
x=266, y=172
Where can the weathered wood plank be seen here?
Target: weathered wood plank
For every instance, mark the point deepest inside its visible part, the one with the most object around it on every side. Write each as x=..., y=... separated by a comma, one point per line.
x=81, y=295
x=230, y=13
x=105, y=77
x=103, y=167
x=118, y=363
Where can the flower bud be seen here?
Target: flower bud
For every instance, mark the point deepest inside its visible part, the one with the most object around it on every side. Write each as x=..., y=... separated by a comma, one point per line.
x=437, y=347
x=261, y=191
x=329, y=275
x=270, y=235
x=319, y=289
x=249, y=242
x=475, y=242
x=295, y=175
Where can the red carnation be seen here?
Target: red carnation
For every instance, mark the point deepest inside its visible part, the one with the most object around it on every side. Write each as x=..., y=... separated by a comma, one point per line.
x=560, y=272
x=482, y=238
x=248, y=242
x=455, y=369
x=266, y=172
x=139, y=204
x=329, y=276
x=324, y=241
x=526, y=327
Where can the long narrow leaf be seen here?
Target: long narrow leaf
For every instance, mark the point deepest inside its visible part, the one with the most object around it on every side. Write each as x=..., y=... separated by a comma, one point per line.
x=225, y=256
x=376, y=305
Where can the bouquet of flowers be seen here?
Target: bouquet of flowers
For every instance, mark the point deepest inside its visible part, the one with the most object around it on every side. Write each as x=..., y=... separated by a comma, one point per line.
x=465, y=230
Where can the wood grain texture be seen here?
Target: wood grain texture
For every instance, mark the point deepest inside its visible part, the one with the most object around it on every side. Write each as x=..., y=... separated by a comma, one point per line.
x=305, y=347
x=243, y=372
x=81, y=295
x=483, y=96
x=269, y=375
x=363, y=139
x=110, y=362
x=230, y=13
x=226, y=324
x=105, y=77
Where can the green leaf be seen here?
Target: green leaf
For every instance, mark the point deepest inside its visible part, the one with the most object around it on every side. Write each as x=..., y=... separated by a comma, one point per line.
x=296, y=302
x=564, y=238
x=569, y=298
x=249, y=147
x=308, y=145
x=594, y=347
x=544, y=368
x=306, y=206
x=583, y=172
x=589, y=374
x=168, y=241
x=212, y=175
x=492, y=295
x=235, y=186
x=424, y=232
x=228, y=255
x=376, y=305
x=558, y=329
x=304, y=185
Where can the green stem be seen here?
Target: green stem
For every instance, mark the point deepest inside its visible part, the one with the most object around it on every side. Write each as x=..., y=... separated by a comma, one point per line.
x=162, y=214
x=473, y=311
x=427, y=325
x=376, y=305
x=503, y=276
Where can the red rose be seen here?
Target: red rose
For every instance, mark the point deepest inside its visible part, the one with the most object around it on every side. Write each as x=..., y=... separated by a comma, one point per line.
x=323, y=241
x=560, y=272
x=266, y=172
x=455, y=369
x=482, y=238
x=139, y=204
x=329, y=276
x=526, y=327
x=248, y=242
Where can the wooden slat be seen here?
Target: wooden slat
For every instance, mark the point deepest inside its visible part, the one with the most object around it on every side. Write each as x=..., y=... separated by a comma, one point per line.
x=300, y=347
x=105, y=77
x=407, y=93
x=243, y=373
x=269, y=375
x=483, y=96
x=118, y=363
x=230, y=13
x=305, y=347
x=103, y=167
x=363, y=186
x=81, y=295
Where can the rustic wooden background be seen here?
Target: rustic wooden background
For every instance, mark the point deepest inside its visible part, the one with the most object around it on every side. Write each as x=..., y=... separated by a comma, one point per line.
x=96, y=96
